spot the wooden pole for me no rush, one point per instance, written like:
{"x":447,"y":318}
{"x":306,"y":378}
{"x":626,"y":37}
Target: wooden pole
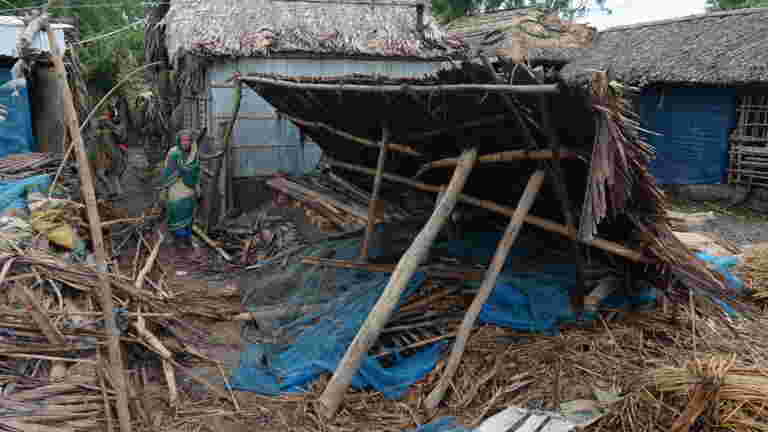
{"x":540,"y":222}
{"x":229,"y":178}
{"x":505,"y":156}
{"x":500,"y":88}
{"x":374,"y":201}
{"x":94,"y":222}
{"x":491,"y":275}
{"x":401,"y":148}
{"x":377,"y":319}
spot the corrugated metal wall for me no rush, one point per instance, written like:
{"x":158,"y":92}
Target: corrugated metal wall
{"x":263,"y":144}
{"x":694,"y":124}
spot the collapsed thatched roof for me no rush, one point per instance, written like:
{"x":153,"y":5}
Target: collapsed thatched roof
{"x":529,"y":33}
{"x":709,"y":49}
{"x":247,"y":28}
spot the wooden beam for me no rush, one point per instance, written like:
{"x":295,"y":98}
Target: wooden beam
{"x":491,"y":275}
{"x":97,"y":239}
{"x":505,"y":156}
{"x":366,"y":142}
{"x":373,"y":203}
{"x":540,"y":222}
{"x":405,"y":88}
{"x":381,"y":312}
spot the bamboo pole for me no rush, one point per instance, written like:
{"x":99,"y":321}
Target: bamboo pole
{"x":500,"y":88}
{"x":401,"y":148}
{"x":374,"y":201}
{"x":379,"y":315}
{"x":505,"y":156}
{"x":94,"y":221}
{"x":229,"y":199}
{"x":540,"y":222}
{"x":489,"y":282}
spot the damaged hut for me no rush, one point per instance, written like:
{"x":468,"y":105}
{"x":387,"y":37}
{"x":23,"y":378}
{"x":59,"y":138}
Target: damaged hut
{"x":209,"y":41}
{"x":702,"y":81}
{"x":551,"y":161}
{"x":532,"y":35}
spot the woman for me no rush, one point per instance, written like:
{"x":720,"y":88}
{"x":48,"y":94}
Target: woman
{"x":181,"y":176}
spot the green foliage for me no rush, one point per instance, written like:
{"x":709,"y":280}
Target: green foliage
{"x":451,"y":9}
{"x":103,"y":58}
{"x":736,"y":4}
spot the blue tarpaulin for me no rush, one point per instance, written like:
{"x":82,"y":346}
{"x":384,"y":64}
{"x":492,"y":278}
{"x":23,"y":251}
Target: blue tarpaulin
{"x":530,"y":301}
{"x":16,"y":131}
{"x":13,"y":194}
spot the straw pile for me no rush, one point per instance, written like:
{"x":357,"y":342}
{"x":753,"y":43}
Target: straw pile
{"x":754,"y":271}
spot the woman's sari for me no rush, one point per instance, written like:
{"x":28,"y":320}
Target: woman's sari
{"x":180,"y":179}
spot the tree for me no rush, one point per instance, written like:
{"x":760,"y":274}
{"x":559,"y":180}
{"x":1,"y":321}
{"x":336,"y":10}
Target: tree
{"x":451,"y":9}
{"x":736,"y":4}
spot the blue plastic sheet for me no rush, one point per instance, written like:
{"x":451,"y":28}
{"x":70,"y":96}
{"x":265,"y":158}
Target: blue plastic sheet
{"x":723,"y":264}
{"x":528,"y":301}
{"x":13,"y":193}
{"x":16,"y":131}
{"x":319,"y":340}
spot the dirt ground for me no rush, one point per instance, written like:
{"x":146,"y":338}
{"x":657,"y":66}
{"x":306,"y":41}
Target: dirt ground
{"x":737,"y":224}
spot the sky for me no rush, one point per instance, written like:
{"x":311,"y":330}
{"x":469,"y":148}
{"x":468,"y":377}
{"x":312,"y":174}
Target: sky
{"x":627,"y":12}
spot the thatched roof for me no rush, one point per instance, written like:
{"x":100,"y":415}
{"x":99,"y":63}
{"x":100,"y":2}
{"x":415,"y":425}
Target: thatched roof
{"x":529,"y":33}
{"x":436,"y":117}
{"x":709,"y":49}
{"x":255,"y":28}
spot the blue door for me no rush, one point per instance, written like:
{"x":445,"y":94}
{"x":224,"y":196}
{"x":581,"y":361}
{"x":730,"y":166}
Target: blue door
{"x":693,"y":126}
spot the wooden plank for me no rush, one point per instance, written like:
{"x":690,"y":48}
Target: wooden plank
{"x":378,"y":317}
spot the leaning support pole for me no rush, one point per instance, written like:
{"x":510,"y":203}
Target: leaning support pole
{"x":369,"y":331}
{"x":94,"y":220}
{"x":502,"y":251}
{"x":374,"y":201}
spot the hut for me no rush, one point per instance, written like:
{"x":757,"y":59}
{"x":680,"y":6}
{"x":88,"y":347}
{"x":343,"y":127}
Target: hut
{"x":536,"y":36}
{"x":702,"y":92}
{"x":565,"y":160}
{"x":208,"y":42}
{"x":34,"y":123}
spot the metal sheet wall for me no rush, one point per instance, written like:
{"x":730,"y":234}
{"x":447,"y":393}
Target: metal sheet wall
{"x":264,"y":144}
{"x":693,"y":126}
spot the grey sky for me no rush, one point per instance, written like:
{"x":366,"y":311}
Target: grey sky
{"x":635,"y":11}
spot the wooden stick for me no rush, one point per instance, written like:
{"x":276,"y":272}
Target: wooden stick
{"x":154,"y":342}
{"x":94,"y":220}
{"x":228,"y":178}
{"x":49,"y":358}
{"x":148,"y":265}
{"x":506,"y":156}
{"x":543,"y":223}
{"x":418,"y":344}
{"x":401,"y":148}
{"x":377,"y":319}
{"x":200,"y":233}
{"x":492,"y":274}
{"x":374,"y":201}
{"x":500,"y":88}
{"x":58,"y":369}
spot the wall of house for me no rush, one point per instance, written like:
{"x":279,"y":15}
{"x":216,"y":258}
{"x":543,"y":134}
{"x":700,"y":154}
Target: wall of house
{"x":690,"y":129}
{"x":263,"y":144}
